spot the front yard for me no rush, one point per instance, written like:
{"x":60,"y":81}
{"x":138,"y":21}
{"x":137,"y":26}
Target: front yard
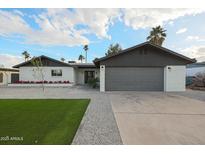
{"x":40,"y":121}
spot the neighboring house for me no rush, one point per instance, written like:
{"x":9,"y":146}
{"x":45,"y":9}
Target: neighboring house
{"x":8,"y":75}
{"x":55,"y":70}
{"x":144,"y":67}
{"x":194,"y":69}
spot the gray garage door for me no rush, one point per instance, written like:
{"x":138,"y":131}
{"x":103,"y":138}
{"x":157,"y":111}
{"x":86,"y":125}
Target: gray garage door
{"x":134,"y":78}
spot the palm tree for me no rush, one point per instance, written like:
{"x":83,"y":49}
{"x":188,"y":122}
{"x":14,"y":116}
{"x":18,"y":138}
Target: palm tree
{"x":113,"y":49}
{"x":86,"y":50}
{"x":81,"y":57}
{"x":63,"y":59}
{"x":157,"y":35}
{"x":26,"y":55}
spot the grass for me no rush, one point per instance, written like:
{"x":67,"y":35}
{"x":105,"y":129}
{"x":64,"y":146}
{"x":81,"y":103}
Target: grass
{"x":40,"y":121}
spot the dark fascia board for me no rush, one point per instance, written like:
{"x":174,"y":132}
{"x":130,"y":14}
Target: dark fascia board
{"x":9,"y":69}
{"x":143,"y":44}
{"x":42,"y":56}
{"x":88,"y":65}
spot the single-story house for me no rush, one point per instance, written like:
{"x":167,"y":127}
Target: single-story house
{"x":144,"y":67}
{"x":8,"y":75}
{"x":54,"y":70}
{"x":195,"y":68}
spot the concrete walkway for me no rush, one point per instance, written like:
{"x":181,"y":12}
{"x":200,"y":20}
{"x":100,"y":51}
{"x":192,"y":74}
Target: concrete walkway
{"x":98,"y":125}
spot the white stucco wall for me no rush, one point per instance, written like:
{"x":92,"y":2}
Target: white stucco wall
{"x":79,"y":74}
{"x":6,"y":77}
{"x":174,"y":78}
{"x":102,"y":78}
{"x":194,"y":71}
{"x":27,"y":74}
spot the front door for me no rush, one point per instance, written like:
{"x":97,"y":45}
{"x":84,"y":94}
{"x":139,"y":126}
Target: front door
{"x":89,"y":75}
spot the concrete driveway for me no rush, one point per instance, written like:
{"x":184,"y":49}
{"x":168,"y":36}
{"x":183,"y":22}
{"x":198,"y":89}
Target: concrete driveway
{"x":159,"y":118}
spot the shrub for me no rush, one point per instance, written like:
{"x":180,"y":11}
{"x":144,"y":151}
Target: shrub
{"x":66,"y":81}
{"x":94,"y":83}
{"x":18,"y":81}
{"x":25,"y":82}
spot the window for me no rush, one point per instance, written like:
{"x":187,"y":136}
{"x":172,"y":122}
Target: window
{"x":1,"y":77}
{"x":57,"y":72}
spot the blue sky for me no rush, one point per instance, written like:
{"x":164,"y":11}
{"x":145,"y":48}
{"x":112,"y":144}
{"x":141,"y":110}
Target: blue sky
{"x":63,"y":32}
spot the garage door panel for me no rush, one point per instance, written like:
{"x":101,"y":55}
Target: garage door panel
{"x":140,"y":79}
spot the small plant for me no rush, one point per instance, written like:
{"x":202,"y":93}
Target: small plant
{"x":94,"y":83}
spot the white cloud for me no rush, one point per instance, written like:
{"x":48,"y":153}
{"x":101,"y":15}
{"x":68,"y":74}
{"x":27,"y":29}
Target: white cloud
{"x":171,"y":23}
{"x":197,"y":52}
{"x":69,"y":27}
{"x":8,"y":60}
{"x":183,"y":30}
{"x":12,"y":23}
{"x":59,"y":26}
{"x":195,"y":38}
{"x":146,"y":18}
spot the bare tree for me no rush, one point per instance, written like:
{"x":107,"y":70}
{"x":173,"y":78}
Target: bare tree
{"x":38,"y":69}
{"x":200,"y":78}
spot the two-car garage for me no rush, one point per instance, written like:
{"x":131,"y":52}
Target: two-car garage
{"x":134,"y":78}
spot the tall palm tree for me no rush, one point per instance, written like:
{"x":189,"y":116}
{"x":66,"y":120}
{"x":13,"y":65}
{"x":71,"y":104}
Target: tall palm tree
{"x":63,"y":59}
{"x":26,"y":55}
{"x":86,"y":50}
{"x":157,"y":35}
{"x":81,"y":57}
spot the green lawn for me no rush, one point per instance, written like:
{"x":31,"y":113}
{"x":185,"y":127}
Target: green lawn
{"x":40,"y":121}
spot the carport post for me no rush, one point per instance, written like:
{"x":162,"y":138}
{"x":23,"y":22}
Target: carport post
{"x":102,"y":78}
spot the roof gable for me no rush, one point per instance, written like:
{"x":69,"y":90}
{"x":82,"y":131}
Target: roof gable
{"x":161,"y":50}
{"x":46,"y":61}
